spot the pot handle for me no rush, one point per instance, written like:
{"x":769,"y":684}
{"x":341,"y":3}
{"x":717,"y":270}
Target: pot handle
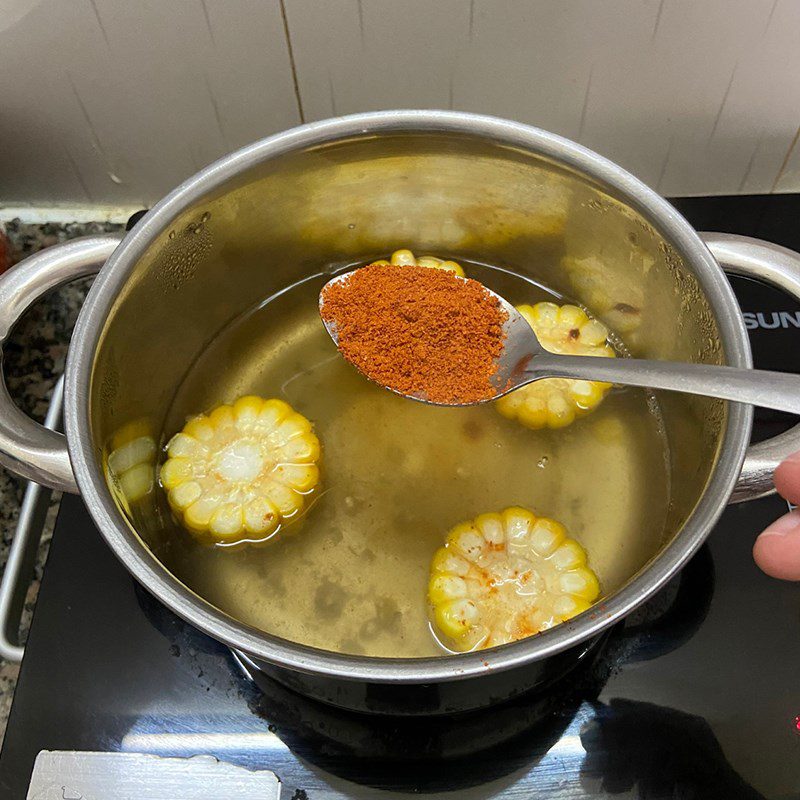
{"x":26,"y":447}
{"x":780,"y":267}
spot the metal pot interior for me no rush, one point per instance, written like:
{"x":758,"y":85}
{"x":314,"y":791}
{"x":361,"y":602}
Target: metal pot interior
{"x":251,"y":231}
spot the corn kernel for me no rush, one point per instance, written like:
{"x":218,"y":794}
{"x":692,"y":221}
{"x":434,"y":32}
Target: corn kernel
{"x":445,"y":560}
{"x":182,"y":445}
{"x":290,"y":427}
{"x":403,"y":258}
{"x":300,"y":450}
{"x":272,"y":413}
{"x":199,"y":428}
{"x":502,"y":577}
{"x":546,"y":536}
{"x":467,"y":541}
{"x":586,"y":394}
{"x":300,"y":477}
{"x":285,"y":499}
{"x":136,"y":451}
{"x":135,"y":429}
{"x":452,"y":266}
{"x":510,"y":405}
{"x":568,"y":606}
{"x":241,"y":470}
{"x":136,"y":482}
{"x":594,"y":333}
{"x":560,"y":412}
{"x":261,"y":516}
{"x":246,"y":411}
{"x":491,"y":526}
{"x":454,"y":618}
{"x":175,"y":472}
{"x":569,"y":555}
{"x":532,"y":411}
{"x":545,"y":314}
{"x":183,"y":495}
{"x":580,"y":582}
{"x":198,"y":515}
{"x":445,"y":587}
{"x":227,"y":521}
{"x":581,"y":389}
{"x":517,"y":523}
{"x":571,"y":317}
{"x":221,"y":415}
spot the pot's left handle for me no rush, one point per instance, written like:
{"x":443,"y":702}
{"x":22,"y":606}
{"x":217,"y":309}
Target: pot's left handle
{"x":26,"y":447}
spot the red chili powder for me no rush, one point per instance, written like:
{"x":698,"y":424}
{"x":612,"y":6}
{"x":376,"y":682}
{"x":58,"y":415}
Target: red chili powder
{"x":418,"y":330}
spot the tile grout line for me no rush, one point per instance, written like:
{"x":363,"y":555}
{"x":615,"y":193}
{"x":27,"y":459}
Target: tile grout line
{"x":295,"y":81}
{"x":785,"y":162}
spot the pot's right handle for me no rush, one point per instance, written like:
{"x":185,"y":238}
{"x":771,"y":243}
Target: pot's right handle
{"x":755,"y":258}
{"x":27,"y":448}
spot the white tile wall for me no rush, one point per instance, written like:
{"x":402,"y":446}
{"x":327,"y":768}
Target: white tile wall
{"x":117,"y":101}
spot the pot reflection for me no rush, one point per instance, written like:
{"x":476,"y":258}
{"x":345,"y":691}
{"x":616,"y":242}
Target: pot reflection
{"x":436,"y":753}
{"x":542,"y":742}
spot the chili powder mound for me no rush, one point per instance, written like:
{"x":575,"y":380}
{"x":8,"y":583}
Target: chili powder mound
{"x":418,"y":330}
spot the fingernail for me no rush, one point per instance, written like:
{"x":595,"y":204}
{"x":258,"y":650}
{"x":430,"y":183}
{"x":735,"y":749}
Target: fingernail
{"x":786,"y":524}
{"x":794,"y":458}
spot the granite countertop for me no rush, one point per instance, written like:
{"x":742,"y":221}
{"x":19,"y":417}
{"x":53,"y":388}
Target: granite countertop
{"x":33,"y":361}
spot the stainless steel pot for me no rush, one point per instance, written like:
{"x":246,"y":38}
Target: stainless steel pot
{"x":347,"y":189}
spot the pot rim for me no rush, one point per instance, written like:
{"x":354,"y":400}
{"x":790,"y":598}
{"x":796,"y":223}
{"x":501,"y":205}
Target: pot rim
{"x":154,"y":576}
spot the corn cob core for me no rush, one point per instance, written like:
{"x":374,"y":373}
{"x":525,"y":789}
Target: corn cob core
{"x":402,"y":258}
{"x":502,"y":577}
{"x":240,"y":471}
{"x":557,"y":402}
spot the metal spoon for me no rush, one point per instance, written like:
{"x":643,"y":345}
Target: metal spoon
{"x":524,"y":360}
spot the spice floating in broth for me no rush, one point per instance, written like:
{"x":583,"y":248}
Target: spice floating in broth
{"x":419,"y":331}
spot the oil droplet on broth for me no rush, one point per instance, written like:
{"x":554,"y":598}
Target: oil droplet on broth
{"x":351,"y":573}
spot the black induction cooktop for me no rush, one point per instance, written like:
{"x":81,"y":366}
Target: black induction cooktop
{"x":696,"y":695}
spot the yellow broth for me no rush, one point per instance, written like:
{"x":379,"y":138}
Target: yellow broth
{"x":350,"y":574}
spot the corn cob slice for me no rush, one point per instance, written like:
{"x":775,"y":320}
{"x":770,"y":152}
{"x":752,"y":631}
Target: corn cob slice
{"x":241,"y":471}
{"x":619,"y":304}
{"x":557,"y":402}
{"x":402,"y":258}
{"x":131,"y":464}
{"x":502,"y":577}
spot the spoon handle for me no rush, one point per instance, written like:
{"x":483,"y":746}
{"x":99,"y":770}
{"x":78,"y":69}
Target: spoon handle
{"x":776,"y":390}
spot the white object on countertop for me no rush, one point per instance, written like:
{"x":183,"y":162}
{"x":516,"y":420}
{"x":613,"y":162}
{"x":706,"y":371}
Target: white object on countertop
{"x":74,"y":775}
